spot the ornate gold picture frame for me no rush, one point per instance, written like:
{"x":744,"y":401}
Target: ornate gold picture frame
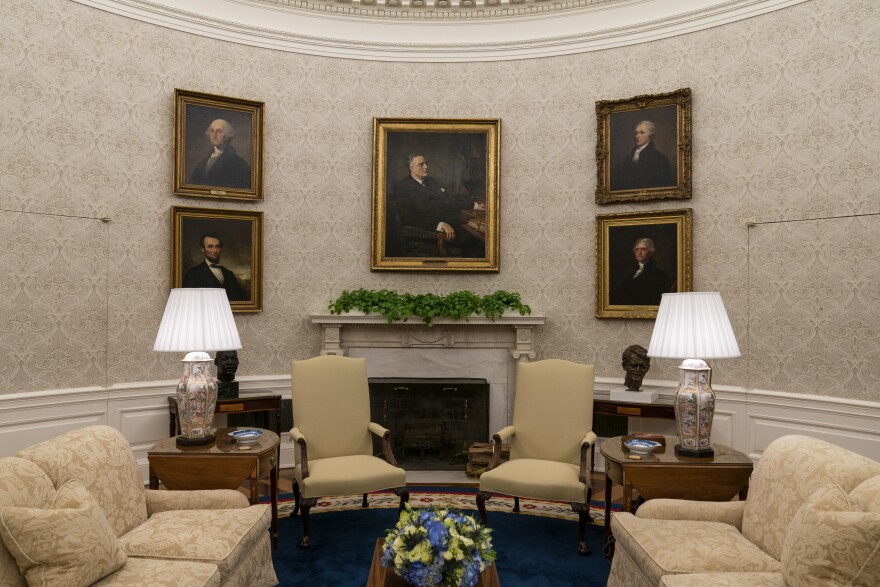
{"x":639,"y":257}
{"x":218,"y":147}
{"x":435,"y":194}
{"x":643,"y":148}
{"x":219,"y":248}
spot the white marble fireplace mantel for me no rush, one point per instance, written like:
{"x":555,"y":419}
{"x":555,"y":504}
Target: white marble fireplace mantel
{"x":345,"y":331}
{"x":478,"y":347}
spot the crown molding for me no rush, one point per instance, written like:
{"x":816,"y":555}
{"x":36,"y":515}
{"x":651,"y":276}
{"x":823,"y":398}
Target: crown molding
{"x":512,"y":29}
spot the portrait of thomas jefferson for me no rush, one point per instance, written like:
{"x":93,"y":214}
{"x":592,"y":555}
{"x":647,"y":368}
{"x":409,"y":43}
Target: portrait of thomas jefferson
{"x":642,"y":264}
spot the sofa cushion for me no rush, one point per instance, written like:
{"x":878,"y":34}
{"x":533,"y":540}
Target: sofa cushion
{"x":220,"y":537}
{"x":831,"y":541}
{"x":668,"y":547}
{"x":70,"y":543}
{"x":866,"y":496}
{"x":22,"y":483}
{"x":791,"y":469}
{"x":146,"y":572}
{"x":724,"y":580}
{"x":100,"y":458}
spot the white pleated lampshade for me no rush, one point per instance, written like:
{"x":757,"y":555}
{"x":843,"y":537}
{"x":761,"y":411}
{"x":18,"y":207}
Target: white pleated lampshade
{"x":692,"y":325}
{"x":197,"y":319}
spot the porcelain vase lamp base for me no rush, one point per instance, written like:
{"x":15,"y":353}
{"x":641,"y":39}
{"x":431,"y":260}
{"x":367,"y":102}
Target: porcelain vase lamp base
{"x":196,"y":401}
{"x":694,"y":410}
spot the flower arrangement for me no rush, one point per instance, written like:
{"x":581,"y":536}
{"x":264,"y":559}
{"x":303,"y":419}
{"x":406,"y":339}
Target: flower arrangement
{"x":431,"y":545}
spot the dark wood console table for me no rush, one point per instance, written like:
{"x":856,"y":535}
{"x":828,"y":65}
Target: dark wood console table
{"x":609,"y":407}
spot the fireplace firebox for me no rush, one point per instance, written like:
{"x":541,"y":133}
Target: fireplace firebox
{"x":432,"y":421}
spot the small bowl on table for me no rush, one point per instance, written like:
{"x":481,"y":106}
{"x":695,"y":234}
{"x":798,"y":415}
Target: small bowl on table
{"x":246,"y":436}
{"x":641,"y":446}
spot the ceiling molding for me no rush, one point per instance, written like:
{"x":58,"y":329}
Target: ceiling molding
{"x":518,"y":29}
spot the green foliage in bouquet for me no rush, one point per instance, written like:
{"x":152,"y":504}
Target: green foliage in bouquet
{"x":433,"y":546}
{"x":457,"y":305}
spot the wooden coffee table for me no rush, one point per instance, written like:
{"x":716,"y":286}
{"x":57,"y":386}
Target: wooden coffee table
{"x":219,"y":465}
{"x":663,"y":474}
{"x":382,"y":577}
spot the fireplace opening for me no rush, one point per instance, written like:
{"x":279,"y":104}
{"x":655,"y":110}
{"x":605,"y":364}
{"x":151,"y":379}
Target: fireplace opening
{"x":432,"y":421}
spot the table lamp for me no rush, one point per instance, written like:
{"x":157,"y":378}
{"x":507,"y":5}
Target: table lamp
{"x":693,"y":326}
{"x":197,"y":320}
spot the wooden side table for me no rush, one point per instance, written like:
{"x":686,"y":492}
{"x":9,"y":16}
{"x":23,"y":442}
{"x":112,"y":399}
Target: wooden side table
{"x":663,"y":474}
{"x":239,"y":405}
{"x":219,"y":465}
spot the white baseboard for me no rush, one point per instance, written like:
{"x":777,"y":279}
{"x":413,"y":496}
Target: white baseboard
{"x":745,"y":420}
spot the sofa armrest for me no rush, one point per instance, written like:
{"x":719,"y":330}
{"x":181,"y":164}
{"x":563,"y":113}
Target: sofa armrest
{"x":727,"y":512}
{"x":161,"y":500}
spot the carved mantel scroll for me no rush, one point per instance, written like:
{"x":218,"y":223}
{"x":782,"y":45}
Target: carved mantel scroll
{"x":342,"y":332}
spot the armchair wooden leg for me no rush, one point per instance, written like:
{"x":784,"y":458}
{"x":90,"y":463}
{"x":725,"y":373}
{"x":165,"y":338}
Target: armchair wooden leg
{"x":583,"y":512}
{"x":515,"y":504}
{"x":482,"y":497}
{"x":403,"y":494}
{"x":308,"y":503}
{"x":296,"y":499}
{"x":364,"y":503}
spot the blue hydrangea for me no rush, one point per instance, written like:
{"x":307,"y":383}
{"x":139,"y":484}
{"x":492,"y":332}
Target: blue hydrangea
{"x":430,"y":546}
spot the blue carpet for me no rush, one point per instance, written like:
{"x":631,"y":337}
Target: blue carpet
{"x":533,"y":551}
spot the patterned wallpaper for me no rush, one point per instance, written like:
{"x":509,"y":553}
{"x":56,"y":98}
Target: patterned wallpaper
{"x":784,"y":112}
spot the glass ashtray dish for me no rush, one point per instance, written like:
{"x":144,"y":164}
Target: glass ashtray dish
{"x":248,"y":436}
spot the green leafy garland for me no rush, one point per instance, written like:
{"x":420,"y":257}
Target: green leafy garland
{"x":457,"y":305}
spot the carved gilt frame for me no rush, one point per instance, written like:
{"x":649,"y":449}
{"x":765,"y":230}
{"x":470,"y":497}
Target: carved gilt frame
{"x":194,"y":112}
{"x":241,"y":236}
{"x":464,"y":161}
{"x":616,"y":120}
{"x":618,"y":294}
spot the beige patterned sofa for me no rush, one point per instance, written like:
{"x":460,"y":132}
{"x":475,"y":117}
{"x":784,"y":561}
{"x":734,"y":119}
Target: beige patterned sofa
{"x":74,"y":511}
{"x":812,"y":517}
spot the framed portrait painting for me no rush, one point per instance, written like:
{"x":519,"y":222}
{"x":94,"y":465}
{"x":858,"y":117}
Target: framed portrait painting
{"x":219,"y":248}
{"x":643,"y":148}
{"x":435,"y":194}
{"x":218,"y":146}
{"x":639,"y":257}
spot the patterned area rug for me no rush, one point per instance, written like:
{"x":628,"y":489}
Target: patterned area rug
{"x":449,"y":497}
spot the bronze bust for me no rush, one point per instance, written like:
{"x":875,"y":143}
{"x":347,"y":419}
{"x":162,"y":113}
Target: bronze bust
{"x":636,"y":363}
{"x":227,"y":365}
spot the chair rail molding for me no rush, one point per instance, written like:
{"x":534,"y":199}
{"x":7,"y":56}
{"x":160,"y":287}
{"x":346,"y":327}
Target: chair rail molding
{"x":747,"y":420}
{"x":432,"y":30}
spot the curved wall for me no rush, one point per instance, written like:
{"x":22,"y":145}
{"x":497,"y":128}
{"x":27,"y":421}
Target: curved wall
{"x":779,"y":107}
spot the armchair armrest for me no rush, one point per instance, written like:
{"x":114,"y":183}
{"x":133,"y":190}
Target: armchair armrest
{"x":727,"y":512}
{"x":385,"y":435}
{"x":497,"y":440}
{"x":588,"y":441}
{"x":201,"y":499}
{"x":299,"y":438}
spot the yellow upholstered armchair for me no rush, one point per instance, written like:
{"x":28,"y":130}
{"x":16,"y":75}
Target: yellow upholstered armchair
{"x":550,"y":439}
{"x":334,"y":449}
